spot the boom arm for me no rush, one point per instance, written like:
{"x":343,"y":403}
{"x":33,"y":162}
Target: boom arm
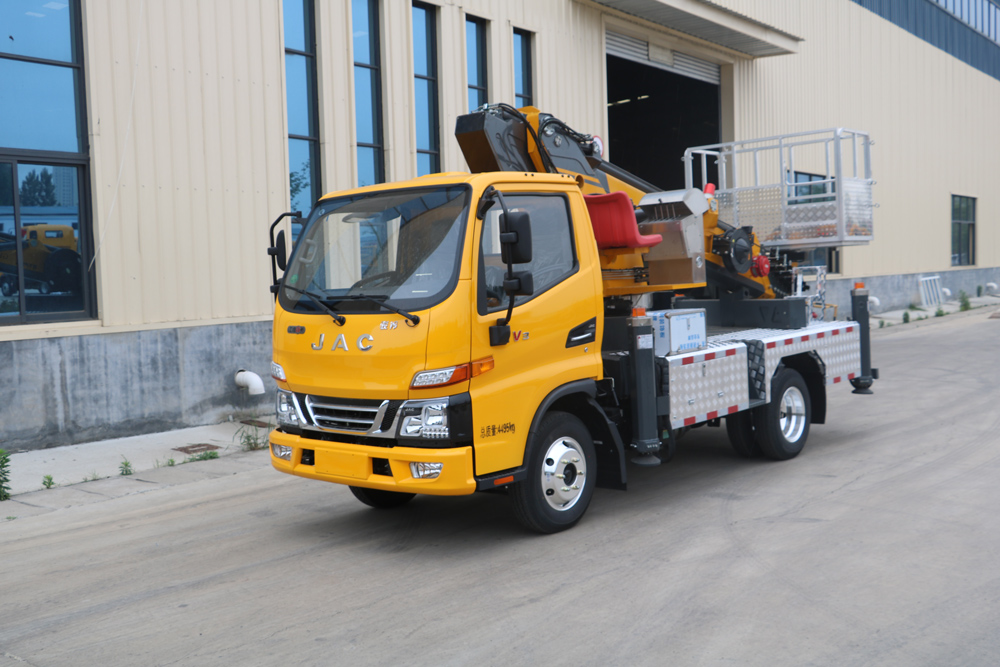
{"x":501,"y":138}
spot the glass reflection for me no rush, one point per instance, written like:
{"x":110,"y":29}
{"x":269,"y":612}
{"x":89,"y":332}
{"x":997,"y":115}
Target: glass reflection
{"x":363,"y":17}
{"x":8,"y":244}
{"x":301,"y":183}
{"x":295,"y":24}
{"x":38,"y":107}
{"x":49,"y":208}
{"x":365,"y":105}
{"x":298,"y":94}
{"x":37,"y":29}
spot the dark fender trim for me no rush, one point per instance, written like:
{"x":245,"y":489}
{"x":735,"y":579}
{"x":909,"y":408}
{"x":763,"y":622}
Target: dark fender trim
{"x":579,"y":399}
{"x":498,"y":480}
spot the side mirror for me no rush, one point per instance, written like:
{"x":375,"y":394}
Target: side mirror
{"x":279,"y":251}
{"x":520,"y":283}
{"x":515,"y":237}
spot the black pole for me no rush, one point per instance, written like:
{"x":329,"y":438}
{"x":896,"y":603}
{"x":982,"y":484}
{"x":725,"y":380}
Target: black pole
{"x":859,"y":311}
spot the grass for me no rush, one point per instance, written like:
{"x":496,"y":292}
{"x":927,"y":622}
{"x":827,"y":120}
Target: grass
{"x":203,"y":456}
{"x":914,"y":306}
{"x":125,"y":467}
{"x":93,"y":477}
{"x":47,"y":482}
{"x":252,"y":438}
{"x":906,"y":316}
{"x":939,"y":312}
{"x":4,"y":475}
{"x":963,"y":301}
{"x":171,"y":463}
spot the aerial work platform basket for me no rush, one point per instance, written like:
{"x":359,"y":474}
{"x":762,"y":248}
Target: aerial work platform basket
{"x":802,"y":190}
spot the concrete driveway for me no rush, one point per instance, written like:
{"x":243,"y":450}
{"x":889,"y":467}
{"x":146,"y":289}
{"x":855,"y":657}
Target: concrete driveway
{"x":879,"y":545}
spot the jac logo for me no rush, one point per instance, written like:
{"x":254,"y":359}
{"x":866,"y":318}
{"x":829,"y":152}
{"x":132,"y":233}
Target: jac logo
{"x":519,"y":335}
{"x":340,"y":343}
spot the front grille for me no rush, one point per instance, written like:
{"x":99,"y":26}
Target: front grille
{"x":343,"y":415}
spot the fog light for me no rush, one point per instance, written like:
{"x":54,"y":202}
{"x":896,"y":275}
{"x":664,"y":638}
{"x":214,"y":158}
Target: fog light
{"x":281,"y":452}
{"x":421,"y":470}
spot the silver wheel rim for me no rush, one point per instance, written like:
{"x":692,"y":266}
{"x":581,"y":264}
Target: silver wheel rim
{"x":792,"y":419}
{"x":564,"y":474}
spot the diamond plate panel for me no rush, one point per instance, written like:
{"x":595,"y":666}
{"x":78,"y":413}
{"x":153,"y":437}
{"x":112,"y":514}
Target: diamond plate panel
{"x":838,"y":344}
{"x":709,"y":382}
{"x":858,"y":209}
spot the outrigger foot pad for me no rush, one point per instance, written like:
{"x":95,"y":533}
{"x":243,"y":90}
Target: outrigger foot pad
{"x":647,"y":461}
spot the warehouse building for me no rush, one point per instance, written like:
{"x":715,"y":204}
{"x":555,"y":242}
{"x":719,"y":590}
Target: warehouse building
{"x":145,"y":147}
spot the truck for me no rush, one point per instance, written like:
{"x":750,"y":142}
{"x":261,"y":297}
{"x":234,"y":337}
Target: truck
{"x":538,"y":323}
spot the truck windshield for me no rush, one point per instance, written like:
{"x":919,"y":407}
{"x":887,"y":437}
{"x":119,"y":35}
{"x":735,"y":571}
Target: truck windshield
{"x":398,"y":247}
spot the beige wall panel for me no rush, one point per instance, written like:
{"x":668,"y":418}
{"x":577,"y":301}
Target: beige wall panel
{"x":931,"y":116}
{"x":201,"y":151}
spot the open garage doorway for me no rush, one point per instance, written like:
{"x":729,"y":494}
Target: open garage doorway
{"x":653,"y":115}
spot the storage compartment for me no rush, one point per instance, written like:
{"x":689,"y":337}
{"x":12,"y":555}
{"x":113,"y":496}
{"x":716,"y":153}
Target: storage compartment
{"x":679,"y":330}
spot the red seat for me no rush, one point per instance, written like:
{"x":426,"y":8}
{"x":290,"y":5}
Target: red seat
{"x":613,"y":219}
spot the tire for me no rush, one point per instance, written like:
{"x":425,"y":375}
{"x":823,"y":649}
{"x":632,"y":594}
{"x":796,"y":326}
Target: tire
{"x":782,"y":426}
{"x":380,"y":499}
{"x":5,"y":288}
{"x":44,"y":287}
{"x":742,"y":435}
{"x":562,"y":472}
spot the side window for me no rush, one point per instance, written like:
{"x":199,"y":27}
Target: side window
{"x":553,"y":258}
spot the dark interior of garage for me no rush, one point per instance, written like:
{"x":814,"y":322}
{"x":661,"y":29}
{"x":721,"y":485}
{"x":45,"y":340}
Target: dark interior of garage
{"x":653,"y":116}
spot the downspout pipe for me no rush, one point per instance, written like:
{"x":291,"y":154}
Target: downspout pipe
{"x":250,"y":381}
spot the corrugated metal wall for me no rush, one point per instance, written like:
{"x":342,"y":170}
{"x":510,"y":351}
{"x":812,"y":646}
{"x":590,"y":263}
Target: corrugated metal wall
{"x":202,"y":145}
{"x":200,"y":150}
{"x":933,"y":117}
{"x":568,"y":75}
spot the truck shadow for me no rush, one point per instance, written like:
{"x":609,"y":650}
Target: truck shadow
{"x":704,"y":469}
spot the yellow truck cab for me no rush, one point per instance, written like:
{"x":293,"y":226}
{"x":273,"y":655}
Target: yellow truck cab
{"x":419,"y":401}
{"x":466,"y":332}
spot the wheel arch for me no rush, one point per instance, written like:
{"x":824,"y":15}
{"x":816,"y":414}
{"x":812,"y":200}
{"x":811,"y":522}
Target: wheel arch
{"x":579,"y":399}
{"x":813,"y":371}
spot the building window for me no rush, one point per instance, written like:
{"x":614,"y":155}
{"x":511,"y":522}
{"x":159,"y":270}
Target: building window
{"x":302,"y":105}
{"x":963,"y":230}
{"x":425,"y":83}
{"x":982,"y":16}
{"x":522,"y":68}
{"x":475,"y":45}
{"x":367,"y":92}
{"x":815,"y":189}
{"x":45,"y":234}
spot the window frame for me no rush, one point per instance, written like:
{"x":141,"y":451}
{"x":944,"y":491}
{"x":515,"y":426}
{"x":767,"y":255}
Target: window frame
{"x":80,"y":160}
{"x":312,"y":93}
{"x":433,"y":77}
{"x":482,"y":59}
{"x":481,"y":306}
{"x":956,"y":226}
{"x":378,"y":145}
{"x":527,"y":67}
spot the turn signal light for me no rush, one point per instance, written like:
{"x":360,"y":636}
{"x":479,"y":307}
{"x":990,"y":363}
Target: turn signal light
{"x":443,"y":377}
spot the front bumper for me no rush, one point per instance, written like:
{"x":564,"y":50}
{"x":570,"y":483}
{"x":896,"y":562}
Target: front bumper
{"x":365,"y":465}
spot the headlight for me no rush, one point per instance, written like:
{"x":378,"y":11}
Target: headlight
{"x":287,"y":409}
{"x":424,"y":419}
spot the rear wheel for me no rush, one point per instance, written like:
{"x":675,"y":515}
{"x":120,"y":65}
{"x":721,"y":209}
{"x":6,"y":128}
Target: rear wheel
{"x":742,"y":435}
{"x":782,"y":425}
{"x":381,"y":499}
{"x":561,"y":475}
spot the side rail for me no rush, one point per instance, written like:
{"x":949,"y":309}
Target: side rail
{"x":807,"y":189}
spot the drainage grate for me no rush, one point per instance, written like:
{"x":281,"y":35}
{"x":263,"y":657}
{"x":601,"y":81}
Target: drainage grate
{"x":195,"y":449}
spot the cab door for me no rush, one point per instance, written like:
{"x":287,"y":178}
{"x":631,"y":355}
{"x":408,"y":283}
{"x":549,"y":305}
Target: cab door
{"x":540,"y":355}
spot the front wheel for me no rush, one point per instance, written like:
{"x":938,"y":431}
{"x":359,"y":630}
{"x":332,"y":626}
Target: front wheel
{"x":782,"y":425}
{"x":561,"y":475}
{"x":381,"y":499}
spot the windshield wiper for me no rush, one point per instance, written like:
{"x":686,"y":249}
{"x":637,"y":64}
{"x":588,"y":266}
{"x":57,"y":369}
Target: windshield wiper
{"x":379,"y":299}
{"x":339,"y":319}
